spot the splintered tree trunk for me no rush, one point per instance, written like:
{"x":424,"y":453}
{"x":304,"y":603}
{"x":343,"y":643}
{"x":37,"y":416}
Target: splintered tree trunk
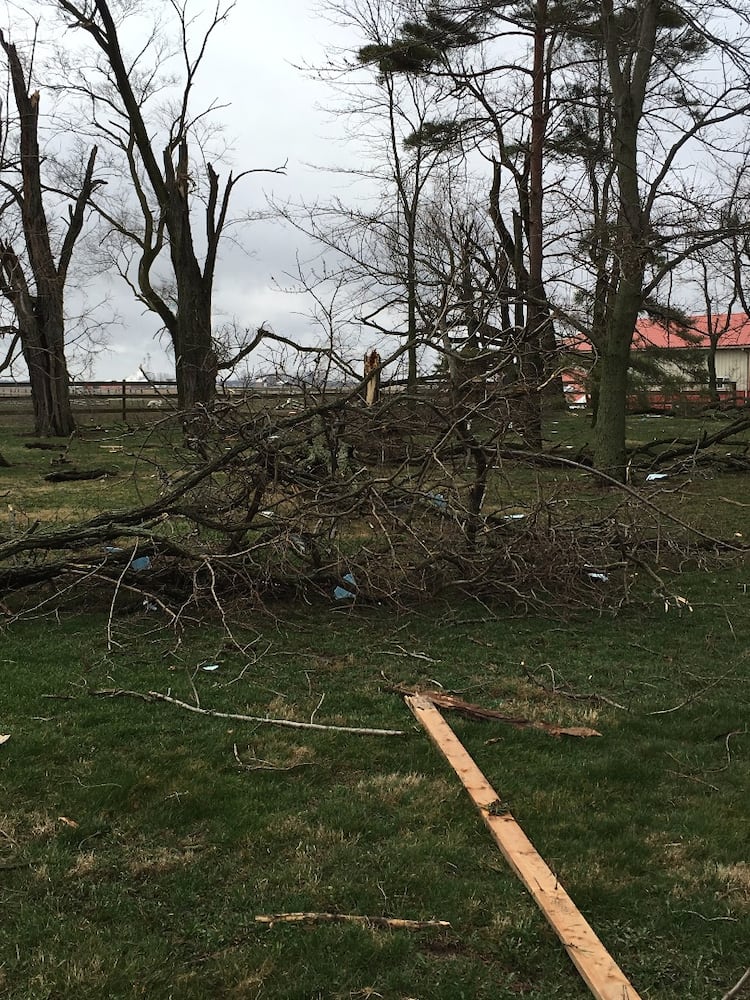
{"x":372,"y":375}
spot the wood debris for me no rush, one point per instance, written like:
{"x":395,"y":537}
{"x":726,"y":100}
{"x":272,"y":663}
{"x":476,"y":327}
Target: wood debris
{"x":262,"y":720}
{"x":597,"y":967}
{"x":393,"y":923}
{"x":455,"y":704}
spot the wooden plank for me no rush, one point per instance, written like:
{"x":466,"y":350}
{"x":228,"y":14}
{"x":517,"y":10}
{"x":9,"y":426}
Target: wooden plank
{"x":600,"y":972}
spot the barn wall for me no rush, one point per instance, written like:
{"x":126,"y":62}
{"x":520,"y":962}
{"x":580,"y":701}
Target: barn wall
{"x":732,"y":363}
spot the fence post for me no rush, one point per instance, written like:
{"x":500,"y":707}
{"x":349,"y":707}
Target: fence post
{"x":124,"y":402}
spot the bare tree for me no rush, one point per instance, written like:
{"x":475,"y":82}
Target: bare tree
{"x":644,"y":219}
{"x":176,"y":210}
{"x":33,"y":280}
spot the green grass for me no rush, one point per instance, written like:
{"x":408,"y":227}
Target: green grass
{"x":135,"y":852}
{"x":177,"y":848}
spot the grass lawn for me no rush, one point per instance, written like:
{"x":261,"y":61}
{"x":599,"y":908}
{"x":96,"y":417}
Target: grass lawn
{"x":136,"y":850}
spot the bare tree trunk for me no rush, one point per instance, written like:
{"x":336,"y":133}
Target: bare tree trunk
{"x":609,"y":448}
{"x":50,"y":393}
{"x":629,"y":82}
{"x":537,"y":316}
{"x":36,"y":287}
{"x":711,"y":365}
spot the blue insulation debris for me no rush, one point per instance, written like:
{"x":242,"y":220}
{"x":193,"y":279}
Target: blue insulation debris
{"x":344,"y":594}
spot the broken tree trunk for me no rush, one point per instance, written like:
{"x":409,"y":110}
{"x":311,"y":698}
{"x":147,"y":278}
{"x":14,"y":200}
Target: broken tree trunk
{"x":597,"y":967}
{"x":372,"y":376}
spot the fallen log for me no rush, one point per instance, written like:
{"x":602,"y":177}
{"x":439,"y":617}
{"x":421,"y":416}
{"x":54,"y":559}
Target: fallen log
{"x":75,"y":475}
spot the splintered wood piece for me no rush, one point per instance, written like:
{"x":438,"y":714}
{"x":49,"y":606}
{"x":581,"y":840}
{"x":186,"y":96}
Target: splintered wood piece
{"x":599,"y":971}
{"x":471,"y":711}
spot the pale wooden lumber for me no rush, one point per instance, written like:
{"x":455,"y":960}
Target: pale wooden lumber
{"x":597,"y":967}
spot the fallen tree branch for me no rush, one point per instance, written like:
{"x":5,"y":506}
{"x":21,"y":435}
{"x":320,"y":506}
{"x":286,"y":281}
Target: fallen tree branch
{"x":287,"y":723}
{"x":394,"y":923}
{"x":264,"y":765}
{"x":594,"y":697}
{"x":79,"y":475}
{"x":695,"y":696}
{"x":684,"y":447}
{"x":478,"y":712}
{"x":738,"y":987}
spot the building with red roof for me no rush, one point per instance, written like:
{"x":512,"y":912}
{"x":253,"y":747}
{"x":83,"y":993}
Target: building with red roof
{"x":726,"y":336}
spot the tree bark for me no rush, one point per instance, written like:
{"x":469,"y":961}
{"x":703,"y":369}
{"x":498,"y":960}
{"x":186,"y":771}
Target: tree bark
{"x":167,"y":174}
{"x":50,"y":393}
{"x":36,"y":289}
{"x":628,"y":81}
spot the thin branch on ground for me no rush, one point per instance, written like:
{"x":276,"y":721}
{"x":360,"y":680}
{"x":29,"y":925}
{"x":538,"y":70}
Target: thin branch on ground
{"x":738,"y":987}
{"x":261,"y":720}
{"x":392,"y":923}
{"x":562,"y":692}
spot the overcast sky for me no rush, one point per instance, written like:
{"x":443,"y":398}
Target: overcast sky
{"x":275,"y":117}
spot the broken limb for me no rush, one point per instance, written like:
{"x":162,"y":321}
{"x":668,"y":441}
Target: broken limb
{"x":258,"y":764}
{"x":287,"y":723}
{"x":393,"y":923}
{"x":695,"y":696}
{"x":593,"y":697}
{"x":452,"y":703}
{"x":597,"y":967}
{"x":738,"y":987}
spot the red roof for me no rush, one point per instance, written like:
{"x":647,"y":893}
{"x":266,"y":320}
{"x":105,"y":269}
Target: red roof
{"x":733,"y":331}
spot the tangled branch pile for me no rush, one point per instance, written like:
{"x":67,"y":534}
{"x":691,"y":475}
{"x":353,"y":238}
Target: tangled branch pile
{"x":392,"y":503}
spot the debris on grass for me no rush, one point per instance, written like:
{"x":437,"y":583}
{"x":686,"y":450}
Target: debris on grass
{"x":680,"y":603}
{"x":79,"y":475}
{"x":437,"y":500}
{"x":479,"y":712}
{"x":393,"y":923}
{"x":4,"y":737}
{"x":258,"y":764}
{"x":597,"y":967}
{"x":262,"y":720}
{"x":739,"y":986}
{"x":346,"y":593}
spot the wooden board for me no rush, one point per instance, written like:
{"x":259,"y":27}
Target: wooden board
{"x":597,"y":967}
